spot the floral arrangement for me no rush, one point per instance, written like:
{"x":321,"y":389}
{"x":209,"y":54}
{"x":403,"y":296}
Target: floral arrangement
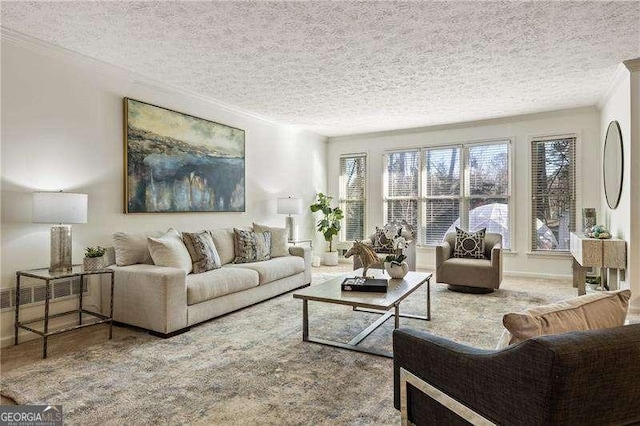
{"x":95,"y":251}
{"x":400,"y":236}
{"x":598,"y":231}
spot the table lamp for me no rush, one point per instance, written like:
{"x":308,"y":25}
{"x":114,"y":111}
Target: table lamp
{"x":62,"y":208}
{"x":290,"y":206}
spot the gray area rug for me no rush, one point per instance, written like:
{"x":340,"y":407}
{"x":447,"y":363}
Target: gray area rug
{"x":251,"y":367}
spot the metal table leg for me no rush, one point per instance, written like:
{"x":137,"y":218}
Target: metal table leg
{"x":111,"y":307}
{"x":46,"y":317}
{"x":305,"y":320}
{"x":17,"y":319}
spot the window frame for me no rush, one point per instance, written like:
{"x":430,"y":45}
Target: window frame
{"x":577,"y":195}
{"x":465,"y":196}
{"x":385,"y":187}
{"x":342,"y":196}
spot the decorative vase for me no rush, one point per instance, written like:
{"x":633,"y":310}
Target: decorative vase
{"x":330,"y":258}
{"x":94,"y":263}
{"x":396,"y":271}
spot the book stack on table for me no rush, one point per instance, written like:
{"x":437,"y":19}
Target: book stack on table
{"x":376,"y":285}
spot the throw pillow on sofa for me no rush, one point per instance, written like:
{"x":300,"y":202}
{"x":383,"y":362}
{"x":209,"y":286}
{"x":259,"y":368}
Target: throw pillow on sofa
{"x":169,"y":250}
{"x":132,"y":248}
{"x":204,"y":256}
{"x":251,"y":246}
{"x":594,"y":311}
{"x":279,"y":239}
{"x":469,"y":244}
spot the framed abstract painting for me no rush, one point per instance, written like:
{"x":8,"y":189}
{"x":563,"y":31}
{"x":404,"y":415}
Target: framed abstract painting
{"x":175,"y":162}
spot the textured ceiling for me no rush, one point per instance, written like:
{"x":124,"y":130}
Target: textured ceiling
{"x":351,"y":67}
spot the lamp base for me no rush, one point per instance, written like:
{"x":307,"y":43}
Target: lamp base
{"x":60,"y":248}
{"x":293,"y":228}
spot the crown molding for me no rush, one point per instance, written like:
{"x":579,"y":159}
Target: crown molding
{"x":58,"y":52}
{"x":632,"y":65}
{"x":621,"y":73}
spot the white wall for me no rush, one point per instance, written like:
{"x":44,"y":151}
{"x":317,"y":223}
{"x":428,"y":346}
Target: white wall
{"x":622,"y":103}
{"x":585,"y":122}
{"x":62,"y":126}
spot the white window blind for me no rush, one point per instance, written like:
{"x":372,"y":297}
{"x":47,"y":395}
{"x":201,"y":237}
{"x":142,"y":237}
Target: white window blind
{"x":401,"y":186}
{"x":553,"y":206}
{"x":353,"y":179}
{"x":488,"y":191}
{"x":442,"y":192}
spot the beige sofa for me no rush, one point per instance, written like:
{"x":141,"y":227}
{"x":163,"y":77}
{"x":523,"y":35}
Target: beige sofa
{"x":168,"y":301}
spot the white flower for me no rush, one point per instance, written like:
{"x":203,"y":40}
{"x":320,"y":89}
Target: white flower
{"x":390,"y":231}
{"x":400,"y":243}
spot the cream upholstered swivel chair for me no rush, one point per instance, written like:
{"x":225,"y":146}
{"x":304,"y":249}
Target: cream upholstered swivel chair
{"x":470,"y":275}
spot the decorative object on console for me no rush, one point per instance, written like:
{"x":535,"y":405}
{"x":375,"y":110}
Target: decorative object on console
{"x":613,"y":165}
{"x":469,"y":244}
{"x":329,"y":225}
{"x":365,"y":255}
{"x":598,"y":231}
{"x":62,"y":208}
{"x":94,"y":258}
{"x":588,"y":218}
{"x":290,"y":206}
{"x":175,"y":162}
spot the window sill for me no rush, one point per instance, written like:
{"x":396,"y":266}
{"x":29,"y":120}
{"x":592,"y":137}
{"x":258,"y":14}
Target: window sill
{"x":550,"y":254}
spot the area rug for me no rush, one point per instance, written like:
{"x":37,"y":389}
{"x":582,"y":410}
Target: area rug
{"x":251,"y":367}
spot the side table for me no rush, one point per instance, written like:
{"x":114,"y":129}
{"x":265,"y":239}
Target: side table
{"x":44,"y":274}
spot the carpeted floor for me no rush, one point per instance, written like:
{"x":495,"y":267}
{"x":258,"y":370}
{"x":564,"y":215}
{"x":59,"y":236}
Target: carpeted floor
{"x":251,"y":367}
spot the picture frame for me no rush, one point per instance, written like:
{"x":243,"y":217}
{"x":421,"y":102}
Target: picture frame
{"x":179,"y":163}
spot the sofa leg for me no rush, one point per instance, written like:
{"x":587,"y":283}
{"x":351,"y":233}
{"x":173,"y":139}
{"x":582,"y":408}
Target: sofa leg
{"x":169,"y":335}
{"x":469,"y":289}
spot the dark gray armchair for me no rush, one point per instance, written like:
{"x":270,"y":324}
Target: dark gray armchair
{"x":577,"y":378}
{"x":470,"y":275}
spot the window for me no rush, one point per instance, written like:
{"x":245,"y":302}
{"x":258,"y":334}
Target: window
{"x":401,"y":186}
{"x":353,"y":173}
{"x":442,"y":192}
{"x":466,"y":186}
{"x":553,"y":205}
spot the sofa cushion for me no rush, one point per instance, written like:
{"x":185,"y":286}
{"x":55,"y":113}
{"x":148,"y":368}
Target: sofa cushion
{"x":223,"y":240}
{"x":469,"y":244}
{"x":169,"y":250}
{"x":251,"y":246}
{"x":279,"y":239}
{"x":204,"y":256}
{"x":132,"y":248}
{"x":274,"y":269}
{"x":219,"y":282}
{"x":593,"y":311}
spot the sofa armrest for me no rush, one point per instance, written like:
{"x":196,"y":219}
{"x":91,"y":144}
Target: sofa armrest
{"x":496,"y":260}
{"x":443,"y":252}
{"x":476,"y":377}
{"x":151,"y":297}
{"x":305,"y":253}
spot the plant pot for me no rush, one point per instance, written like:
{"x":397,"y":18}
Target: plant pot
{"x":94,"y":263}
{"x":330,"y":258}
{"x":395,"y":270}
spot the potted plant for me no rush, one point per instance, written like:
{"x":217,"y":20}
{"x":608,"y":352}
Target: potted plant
{"x":94,"y":258}
{"x":394,"y":263}
{"x":328,"y":226}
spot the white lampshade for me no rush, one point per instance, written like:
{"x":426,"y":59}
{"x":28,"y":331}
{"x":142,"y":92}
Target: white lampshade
{"x":59,"y":207}
{"x":289,"y":205}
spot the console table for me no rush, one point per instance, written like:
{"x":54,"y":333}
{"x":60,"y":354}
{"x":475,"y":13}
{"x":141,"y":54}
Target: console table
{"x":608,"y":255}
{"x":44,"y":274}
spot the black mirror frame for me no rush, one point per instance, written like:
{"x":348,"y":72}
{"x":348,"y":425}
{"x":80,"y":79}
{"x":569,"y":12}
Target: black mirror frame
{"x":613,"y":202}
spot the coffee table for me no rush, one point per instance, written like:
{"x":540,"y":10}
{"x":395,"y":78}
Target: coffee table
{"x":380,"y":303}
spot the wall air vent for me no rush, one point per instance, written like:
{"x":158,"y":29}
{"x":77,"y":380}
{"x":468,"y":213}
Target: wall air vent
{"x":35,"y":294}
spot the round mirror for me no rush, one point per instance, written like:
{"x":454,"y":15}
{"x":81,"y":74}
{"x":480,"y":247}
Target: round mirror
{"x":612,"y":165}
